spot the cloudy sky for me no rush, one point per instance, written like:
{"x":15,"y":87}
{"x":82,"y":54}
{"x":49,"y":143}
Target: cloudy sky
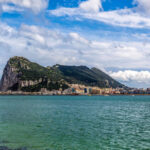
{"x":113,"y":35}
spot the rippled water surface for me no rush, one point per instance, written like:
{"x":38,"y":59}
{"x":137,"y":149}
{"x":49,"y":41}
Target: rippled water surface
{"x":75,"y":123}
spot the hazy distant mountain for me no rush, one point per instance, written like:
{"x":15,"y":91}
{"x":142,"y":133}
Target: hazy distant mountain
{"x":22,"y":74}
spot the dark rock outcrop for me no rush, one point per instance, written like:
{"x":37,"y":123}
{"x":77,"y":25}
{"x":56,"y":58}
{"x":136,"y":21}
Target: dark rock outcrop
{"x":20,"y":74}
{"x":9,"y":78}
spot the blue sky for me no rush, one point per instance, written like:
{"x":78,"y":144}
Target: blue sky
{"x":113,"y":35}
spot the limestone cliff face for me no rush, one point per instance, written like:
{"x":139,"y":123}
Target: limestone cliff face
{"x":26,"y":83}
{"x":10,"y":78}
{"x":20,"y":74}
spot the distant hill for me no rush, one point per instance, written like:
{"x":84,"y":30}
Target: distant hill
{"x":22,"y":74}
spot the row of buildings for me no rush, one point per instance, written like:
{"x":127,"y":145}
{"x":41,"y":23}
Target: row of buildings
{"x":77,"y":89}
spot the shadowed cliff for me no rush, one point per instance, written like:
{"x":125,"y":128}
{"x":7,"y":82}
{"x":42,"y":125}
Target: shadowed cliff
{"x":24,"y":75}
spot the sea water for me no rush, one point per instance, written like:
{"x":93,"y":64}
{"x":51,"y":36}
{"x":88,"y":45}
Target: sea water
{"x":75,"y":122}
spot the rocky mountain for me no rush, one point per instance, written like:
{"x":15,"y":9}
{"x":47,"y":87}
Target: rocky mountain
{"x":22,"y":74}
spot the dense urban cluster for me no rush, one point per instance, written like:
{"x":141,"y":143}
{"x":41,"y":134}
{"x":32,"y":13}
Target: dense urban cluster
{"x":77,"y":89}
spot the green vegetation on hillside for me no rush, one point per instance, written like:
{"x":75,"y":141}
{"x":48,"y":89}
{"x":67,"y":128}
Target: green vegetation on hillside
{"x":58,"y":76}
{"x":86,"y":76}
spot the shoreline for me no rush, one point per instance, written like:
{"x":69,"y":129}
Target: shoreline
{"x":32,"y":94}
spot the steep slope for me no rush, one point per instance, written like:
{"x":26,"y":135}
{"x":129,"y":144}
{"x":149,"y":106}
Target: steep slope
{"x":10,"y":78}
{"x":86,"y":76}
{"x":21,"y":74}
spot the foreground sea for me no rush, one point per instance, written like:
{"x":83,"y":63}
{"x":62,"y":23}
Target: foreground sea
{"x":75,"y":122}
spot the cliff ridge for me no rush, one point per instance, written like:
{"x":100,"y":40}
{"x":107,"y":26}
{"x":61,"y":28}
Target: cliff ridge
{"x":20,"y":74}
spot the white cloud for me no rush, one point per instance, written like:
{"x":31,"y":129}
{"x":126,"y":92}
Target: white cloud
{"x":91,"y":6}
{"x":143,"y":5}
{"x":132,"y":76}
{"x":35,"y":5}
{"x":122,"y":17}
{"x":8,"y":8}
{"x":49,"y":47}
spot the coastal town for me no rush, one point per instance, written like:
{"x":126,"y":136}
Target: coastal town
{"x":78,"y":89}
{"x":23,"y":77}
